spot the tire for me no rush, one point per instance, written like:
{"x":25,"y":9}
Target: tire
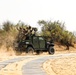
{"x":51,"y":50}
{"x":30,"y":50}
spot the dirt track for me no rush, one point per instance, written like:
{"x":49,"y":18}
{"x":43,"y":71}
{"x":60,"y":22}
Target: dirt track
{"x":56,"y":66}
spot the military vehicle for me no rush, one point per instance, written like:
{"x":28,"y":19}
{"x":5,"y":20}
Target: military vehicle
{"x":30,"y":43}
{"x":36,"y":44}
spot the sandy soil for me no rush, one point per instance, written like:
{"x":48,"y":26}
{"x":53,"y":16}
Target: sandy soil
{"x":61,"y":66}
{"x":14,"y":68}
{"x":5,"y":55}
{"x":57,"y":66}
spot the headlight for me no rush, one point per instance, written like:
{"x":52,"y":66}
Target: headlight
{"x":27,"y":42}
{"x":48,"y":42}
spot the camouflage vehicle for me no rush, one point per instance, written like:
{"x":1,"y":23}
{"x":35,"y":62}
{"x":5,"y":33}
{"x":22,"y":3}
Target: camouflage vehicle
{"x":36,"y":44}
{"x":28,"y":41}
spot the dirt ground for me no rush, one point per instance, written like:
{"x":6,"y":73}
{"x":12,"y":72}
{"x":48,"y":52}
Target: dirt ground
{"x":58,"y":66}
{"x":61,"y":66}
{"x":15,"y":68}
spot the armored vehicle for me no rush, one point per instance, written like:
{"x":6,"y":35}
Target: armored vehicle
{"x":28,"y":41}
{"x":36,"y":44}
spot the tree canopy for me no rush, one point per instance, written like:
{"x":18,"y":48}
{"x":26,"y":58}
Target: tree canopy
{"x":57,"y":31}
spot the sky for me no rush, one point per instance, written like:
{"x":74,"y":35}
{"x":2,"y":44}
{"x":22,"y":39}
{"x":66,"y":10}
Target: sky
{"x":31,"y":11}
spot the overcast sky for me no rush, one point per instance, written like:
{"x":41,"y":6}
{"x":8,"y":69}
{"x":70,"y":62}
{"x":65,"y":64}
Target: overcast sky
{"x":30,"y":11}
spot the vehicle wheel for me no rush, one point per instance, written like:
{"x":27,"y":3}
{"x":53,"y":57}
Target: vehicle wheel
{"x":30,"y":50}
{"x":51,"y":50}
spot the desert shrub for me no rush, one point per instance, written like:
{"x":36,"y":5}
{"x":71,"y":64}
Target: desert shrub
{"x":57,"y":31}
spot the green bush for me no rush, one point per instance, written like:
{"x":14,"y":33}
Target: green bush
{"x":57,"y":31}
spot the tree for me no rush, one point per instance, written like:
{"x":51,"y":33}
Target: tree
{"x":57,"y":31}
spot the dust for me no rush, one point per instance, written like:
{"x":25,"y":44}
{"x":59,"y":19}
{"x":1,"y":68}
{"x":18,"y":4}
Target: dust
{"x":5,"y":54}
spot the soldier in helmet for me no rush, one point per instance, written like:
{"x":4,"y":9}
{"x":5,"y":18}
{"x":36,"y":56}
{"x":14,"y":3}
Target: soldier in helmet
{"x":29,"y":29}
{"x":34,"y":31}
{"x":19,"y":29}
{"x":27,"y":32}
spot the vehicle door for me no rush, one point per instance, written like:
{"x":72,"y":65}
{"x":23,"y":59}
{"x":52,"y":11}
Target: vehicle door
{"x":42,"y":42}
{"x":36,"y":42}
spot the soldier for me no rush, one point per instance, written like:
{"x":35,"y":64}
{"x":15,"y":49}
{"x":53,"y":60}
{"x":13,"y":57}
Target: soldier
{"x":24,"y":31}
{"x":27,"y":32}
{"x":34,"y":31}
{"x":29,"y":29}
